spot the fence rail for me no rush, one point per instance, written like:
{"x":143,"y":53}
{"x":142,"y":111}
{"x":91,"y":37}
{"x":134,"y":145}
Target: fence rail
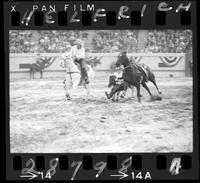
{"x":163,"y":64}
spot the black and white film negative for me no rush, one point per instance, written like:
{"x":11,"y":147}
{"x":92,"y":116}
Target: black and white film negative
{"x":101,"y":90}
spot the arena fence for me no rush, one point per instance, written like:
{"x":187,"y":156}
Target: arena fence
{"x":163,"y":64}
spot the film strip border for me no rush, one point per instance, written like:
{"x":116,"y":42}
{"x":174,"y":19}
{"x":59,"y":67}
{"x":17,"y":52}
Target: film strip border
{"x":106,"y":167}
{"x":106,"y":13}
{"x":174,"y":14}
{"x":111,"y":18}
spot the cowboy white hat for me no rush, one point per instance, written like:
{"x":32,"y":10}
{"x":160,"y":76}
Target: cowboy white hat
{"x":79,"y":41}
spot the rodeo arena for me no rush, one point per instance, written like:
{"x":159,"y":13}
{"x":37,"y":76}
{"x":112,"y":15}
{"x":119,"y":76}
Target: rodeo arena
{"x":96,"y":91}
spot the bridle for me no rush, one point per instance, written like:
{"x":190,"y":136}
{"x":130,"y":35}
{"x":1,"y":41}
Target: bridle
{"x":128,"y":66}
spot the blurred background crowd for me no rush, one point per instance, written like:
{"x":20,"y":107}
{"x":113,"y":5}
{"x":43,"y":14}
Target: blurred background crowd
{"x":169,"y":41}
{"x":114,"y":41}
{"x":57,"y":41}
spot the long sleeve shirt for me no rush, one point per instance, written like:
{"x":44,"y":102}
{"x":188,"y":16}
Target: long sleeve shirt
{"x":78,"y":53}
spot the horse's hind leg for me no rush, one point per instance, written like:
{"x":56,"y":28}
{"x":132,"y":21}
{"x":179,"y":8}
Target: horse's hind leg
{"x":153,"y":80}
{"x":146,"y":87}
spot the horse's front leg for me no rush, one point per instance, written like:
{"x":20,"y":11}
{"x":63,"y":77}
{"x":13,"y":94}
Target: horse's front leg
{"x":118,"y":95}
{"x":41,"y":74}
{"x":30,"y":74}
{"x":67,"y":90}
{"x":138,"y":93}
{"x":125,"y":88}
{"x":71,"y":86}
{"x":87,"y":87}
{"x":113,"y":97}
{"x":132,"y":91}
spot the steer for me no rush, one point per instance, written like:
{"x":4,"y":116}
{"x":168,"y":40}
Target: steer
{"x":117,"y":85}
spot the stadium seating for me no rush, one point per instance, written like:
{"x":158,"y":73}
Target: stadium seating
{"x":169,"y":41}
{"x":46,"y":41}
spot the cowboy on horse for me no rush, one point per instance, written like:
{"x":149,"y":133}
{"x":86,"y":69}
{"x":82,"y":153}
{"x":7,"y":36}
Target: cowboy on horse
{"x":77,"y":53}
{"x":134,"y":75}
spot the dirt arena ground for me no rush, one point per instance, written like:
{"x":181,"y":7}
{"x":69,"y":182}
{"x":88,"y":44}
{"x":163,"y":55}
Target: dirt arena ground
{"x":41,"y":121}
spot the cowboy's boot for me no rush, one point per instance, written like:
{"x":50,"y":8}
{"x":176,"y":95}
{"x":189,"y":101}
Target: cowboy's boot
{"x":85,"y":75}
{"x":81,"y":79}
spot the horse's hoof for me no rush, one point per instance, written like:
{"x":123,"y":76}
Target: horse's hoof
{"x":160,"y":93}
{"x":68,"y":97}
{"x":87,"y":81}
{"x":107,"y":95}
{"x":67,"y":100}
{"x":154,"y":97}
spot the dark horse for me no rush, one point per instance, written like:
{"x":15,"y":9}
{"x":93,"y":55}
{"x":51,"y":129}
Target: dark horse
{"x":40,"y":65}
{"x":134,"y":75}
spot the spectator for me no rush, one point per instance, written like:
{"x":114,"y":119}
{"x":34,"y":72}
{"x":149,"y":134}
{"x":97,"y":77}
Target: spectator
{"x":171,"y":41}
{"x":158,"y":41}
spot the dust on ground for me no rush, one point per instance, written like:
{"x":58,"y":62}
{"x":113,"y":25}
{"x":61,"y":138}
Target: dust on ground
{"x":41,"y":121}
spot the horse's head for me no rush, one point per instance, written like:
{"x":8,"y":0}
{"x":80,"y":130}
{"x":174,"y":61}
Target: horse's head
{"x":122,"y":59}
{"x":65,"y":58}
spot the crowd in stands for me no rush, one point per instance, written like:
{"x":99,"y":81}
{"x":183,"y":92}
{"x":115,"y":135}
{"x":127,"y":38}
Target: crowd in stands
{"x":56,"y":41}
{"x":46,"y":42}
{"x":114,"y":41}
{"x":21,"y":41}
{"x":169,"y":41}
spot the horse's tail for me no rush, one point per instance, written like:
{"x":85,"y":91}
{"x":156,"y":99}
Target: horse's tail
{"x":92,"y":65}
{"x":91,"y":70}
{"x":151,"y":75}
